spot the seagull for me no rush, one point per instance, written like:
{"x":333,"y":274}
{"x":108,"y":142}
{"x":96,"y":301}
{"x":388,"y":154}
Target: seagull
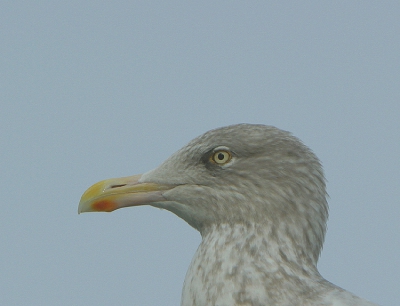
{"x":257,"y":196}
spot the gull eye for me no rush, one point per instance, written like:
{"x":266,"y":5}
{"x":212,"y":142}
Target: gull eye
{"x":221,"y":157}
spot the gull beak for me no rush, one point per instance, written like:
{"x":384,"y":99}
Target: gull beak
{"x":111,"y":194}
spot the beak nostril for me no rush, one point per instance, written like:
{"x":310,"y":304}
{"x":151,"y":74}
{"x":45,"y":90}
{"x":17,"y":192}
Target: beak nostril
{"x":116,"y":186}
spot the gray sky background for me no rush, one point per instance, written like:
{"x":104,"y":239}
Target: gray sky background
{"x":94,"y":90}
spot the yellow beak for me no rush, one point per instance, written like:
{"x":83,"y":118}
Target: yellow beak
{"x":111,"y":194}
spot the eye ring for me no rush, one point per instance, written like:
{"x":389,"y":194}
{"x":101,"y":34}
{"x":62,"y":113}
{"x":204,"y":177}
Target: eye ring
{"x":221,"y":157}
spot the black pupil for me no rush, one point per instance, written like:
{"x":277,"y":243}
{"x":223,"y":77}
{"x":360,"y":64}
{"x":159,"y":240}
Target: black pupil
{"x":220,"y":156}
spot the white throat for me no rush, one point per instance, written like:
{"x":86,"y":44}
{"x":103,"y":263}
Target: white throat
{"x":242,"y":265}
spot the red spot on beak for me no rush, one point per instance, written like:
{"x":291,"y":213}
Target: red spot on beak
{"x":104,"y":205}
